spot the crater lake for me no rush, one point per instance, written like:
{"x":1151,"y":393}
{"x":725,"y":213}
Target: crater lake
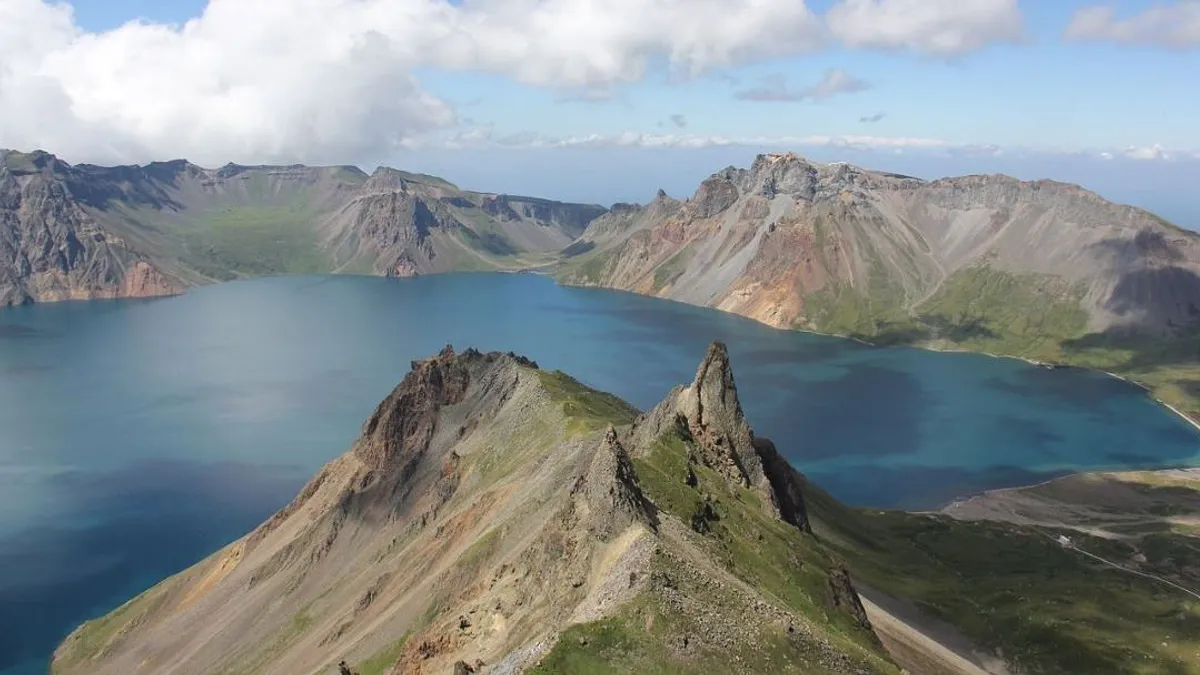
{"x":137,"y":437}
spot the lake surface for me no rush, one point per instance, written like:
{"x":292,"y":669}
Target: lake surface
{"x":136,"y":437}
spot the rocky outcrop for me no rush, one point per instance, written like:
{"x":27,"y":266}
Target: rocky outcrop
{"x":399,"y":431}
{"x":51,"y":248}
{"x":710,"y":414}
{"x":610,"y":487}
{"x":845,"y":598}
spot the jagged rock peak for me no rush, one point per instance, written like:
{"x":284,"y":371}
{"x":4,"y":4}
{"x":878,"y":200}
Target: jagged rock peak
{"x":714,"y":418}
{"x":614,"y":495}
{"x":710,"y":414}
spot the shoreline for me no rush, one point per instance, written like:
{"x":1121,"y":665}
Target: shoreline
{"x":1049,"y":365}
{"x":537,"y":270}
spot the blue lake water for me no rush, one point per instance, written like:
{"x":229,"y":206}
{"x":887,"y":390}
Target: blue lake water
{"x":136,"y":437}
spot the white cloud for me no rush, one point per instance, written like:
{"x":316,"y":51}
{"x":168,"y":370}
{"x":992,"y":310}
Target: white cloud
{"x":776,"y":89}
{"x":330,"y":80}
{"x":941,"y":27}
{"x":632,"y":139}
{"x":1174,"y":25}
{"x":1146,"y":153}
{"x":483,"y":137}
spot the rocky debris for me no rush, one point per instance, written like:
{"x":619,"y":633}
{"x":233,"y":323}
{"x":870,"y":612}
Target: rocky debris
{"x":463,"y":668}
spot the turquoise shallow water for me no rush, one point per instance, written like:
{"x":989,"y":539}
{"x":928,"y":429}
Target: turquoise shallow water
{"x":136,"y":437}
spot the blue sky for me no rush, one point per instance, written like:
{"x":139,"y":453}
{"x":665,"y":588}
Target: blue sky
{"x":1037,"y":89}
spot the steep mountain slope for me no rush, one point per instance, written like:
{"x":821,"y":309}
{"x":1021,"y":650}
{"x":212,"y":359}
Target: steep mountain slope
{"x":490,"y":506}
{"x":52,"y":248}
{"x":87,"y":231}
{"x":496,"y":518}
{"x":1043,"y":270}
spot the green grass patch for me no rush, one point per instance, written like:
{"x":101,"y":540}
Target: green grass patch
{"x":381,"y":662}
{"x":648,"y":639}
{"x":986,"y":309}
{"x":255,"y":241}
{"x":672,"y":268}
{"x":767,"y":553}
{"x":587,"y":409}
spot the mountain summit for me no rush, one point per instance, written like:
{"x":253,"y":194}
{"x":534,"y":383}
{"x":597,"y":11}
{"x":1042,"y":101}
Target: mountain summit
{"x":494,"y":517}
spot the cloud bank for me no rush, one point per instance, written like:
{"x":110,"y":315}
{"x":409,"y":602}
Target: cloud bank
{"x":332,"y":80}
{"x":1174,"y":25}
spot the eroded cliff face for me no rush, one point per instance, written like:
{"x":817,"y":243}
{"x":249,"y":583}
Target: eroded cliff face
{"x":498,"y":518}
{"x":52,"y":249}
{"x":836,"y":248}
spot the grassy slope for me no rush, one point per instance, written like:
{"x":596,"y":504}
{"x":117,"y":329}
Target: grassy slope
{"x":769,"y":555}
{"x":1038,"y":317}
{"x":1015,"y":591}
{"x":255,"y":241}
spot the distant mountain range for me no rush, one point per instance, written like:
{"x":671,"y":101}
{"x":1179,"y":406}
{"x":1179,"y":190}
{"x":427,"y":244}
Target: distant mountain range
{"x":80,"y":232}
{"x":1043,"y":270}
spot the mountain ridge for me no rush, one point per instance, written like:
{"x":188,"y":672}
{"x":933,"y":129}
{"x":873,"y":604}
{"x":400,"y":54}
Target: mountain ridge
{"x":75,"y":231}
{"x":487,"y":507}
{"x":494,"y":517}
{"x":1042,"y":270}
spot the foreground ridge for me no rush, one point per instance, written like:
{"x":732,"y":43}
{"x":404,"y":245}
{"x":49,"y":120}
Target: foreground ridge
{"x":494,"y":517}
{"x":488,"y":513}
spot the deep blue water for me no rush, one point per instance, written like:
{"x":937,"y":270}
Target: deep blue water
{"x":136,"y":437}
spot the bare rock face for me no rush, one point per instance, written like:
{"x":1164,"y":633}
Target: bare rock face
{"x":52,"y":249}
{"x":845,"y":598}
{"x":714,"y":196}
{"x":611,"y":489}
{"x":715,"y":419}
{"x":400,"y":429}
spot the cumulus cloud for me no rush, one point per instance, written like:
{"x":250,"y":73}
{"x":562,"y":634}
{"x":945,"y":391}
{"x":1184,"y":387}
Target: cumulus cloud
{"x":331,"y":80}
{"x":776,"y":89}
{"x":1175,"y":25}
{"x":871,"y":119}
{"x":938,"y":27}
